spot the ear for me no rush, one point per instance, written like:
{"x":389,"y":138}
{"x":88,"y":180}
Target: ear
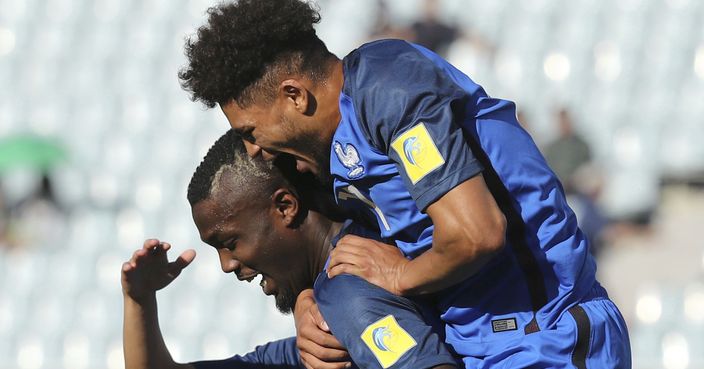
{"x":296,"y":93}
{"x":285,"y":205}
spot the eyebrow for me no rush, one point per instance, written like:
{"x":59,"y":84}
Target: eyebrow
{"x":211,"y":239}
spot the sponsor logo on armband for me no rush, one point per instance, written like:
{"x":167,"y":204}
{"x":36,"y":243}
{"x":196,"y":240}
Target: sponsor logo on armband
{"x":418,"y":152}
{"x":387,"y":340}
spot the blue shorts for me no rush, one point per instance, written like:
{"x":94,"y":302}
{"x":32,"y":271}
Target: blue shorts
{"x":590,"y":335}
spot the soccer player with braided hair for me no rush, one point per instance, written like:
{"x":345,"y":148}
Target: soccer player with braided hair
{"x":481,"y":224}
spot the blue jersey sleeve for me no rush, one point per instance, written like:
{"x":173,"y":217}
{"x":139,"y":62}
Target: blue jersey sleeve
{"x":379,"y":329}
{"x":281,"y":354}
{"x":412,"y":111}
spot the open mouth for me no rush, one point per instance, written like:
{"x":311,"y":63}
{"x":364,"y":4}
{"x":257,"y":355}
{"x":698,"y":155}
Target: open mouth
{"x":268,"y":286}
{"x":265,"y":283}
{"x":249,"y":278}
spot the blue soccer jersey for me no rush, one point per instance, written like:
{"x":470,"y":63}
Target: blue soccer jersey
{"x":379,"y":329}
{"x":281,"y":354}
{"x":413,"y":127}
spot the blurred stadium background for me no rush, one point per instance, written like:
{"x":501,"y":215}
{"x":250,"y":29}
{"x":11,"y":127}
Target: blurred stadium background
{"x":98,"y":78}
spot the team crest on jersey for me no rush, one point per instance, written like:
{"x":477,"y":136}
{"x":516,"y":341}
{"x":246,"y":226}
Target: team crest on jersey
{"x":418,"y":152}
{"x":387,"y":340}
{"x":349,"y":157}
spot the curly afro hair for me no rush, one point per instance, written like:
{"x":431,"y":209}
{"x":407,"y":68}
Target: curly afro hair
{"x":244,"y":46}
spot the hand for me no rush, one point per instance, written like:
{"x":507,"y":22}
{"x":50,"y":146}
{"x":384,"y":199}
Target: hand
{"x":318,"y":348}
{"x":375,"y":262}
{"x":149,"y":270}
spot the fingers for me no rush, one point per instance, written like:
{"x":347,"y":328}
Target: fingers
{"x":137,"y":257}
{"x":150,"y":243}
{"x":318,"y":348}
{"x":311,"y":362}
{"x":155,"y":246}
{"x":181,"y":262}
{"x":354,"y":246}
{"x":344,"y":256}
{"x":318,"y":318}
{"x":322,"y":353}
{"x":155,"y":250}
{"x":186,"y":258}
{"x":312,"y":327}
{"x":318,"y":338}
{"x":343,"y":261}
{"x":357,"y":243}
{"x":346,"y":269}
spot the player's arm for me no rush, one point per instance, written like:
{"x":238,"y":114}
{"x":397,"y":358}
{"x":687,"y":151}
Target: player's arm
{"x":146,"y":272}
{"x":469,"y":230}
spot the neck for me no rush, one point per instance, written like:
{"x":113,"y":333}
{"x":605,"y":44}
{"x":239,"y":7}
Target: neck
{"x":321,"y":231}
{"x":330,"y":96}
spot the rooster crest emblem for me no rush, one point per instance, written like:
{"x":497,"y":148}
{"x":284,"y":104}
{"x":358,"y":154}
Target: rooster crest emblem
{"x":349,"y":157}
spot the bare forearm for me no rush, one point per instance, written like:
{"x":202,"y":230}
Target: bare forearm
{"x":469,"y":229}
{"x":143,"y":343}
{"x":439,"y":268}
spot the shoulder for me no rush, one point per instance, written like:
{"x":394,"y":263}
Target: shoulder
{"x":379,"y":63}
{"x":390,"y":83}
{"x":359,"y":296}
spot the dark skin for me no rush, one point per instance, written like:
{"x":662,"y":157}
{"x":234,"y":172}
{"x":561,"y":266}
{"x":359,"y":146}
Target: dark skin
{"x":469,"y":226}
{"x":246,"y":245}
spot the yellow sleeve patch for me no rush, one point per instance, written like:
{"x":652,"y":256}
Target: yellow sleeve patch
{"x":387,"y":340}
{"x":418,"y":152}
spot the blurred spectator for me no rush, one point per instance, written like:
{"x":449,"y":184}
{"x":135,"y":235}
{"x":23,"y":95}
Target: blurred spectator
{"x":383,"y":26}
{"x":431,"y":31}
{"x":37,"y":220}
{"x":4,"y":218}
{"x":567,"y":152}
{"x":569,"y":156}
{"x":583,"y":200}
{"x":464,"y":48}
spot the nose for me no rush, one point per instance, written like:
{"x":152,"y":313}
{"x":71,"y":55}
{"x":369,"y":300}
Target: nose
{"x":227,"y":263}
{"x":254,"y":150}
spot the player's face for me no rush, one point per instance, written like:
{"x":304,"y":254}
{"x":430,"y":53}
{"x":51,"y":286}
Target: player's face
{"x":251,"y":243}
{"x":273,"y":130}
